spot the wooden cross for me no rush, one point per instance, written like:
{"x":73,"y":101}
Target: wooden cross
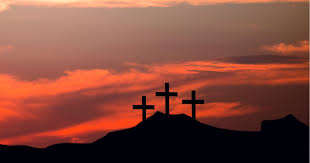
{"x":144,"y":107}
{"x":167,"y":94}
{"x":193,"y":101}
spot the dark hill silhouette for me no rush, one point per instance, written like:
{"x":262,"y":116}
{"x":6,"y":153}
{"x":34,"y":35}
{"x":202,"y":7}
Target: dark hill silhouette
{"x":177,"y":138}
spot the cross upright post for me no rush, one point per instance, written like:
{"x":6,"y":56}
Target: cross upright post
{"x":167,"y":94}
{"x":193,"y":101}
{"x":143,"y":107}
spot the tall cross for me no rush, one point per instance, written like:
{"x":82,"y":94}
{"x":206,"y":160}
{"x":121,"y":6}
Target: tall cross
{"x":144,"y":107}
{"x":193,"y":101}
{"x":167,"y":94}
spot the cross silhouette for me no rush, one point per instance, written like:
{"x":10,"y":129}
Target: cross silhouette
{"x":193,"y":101}
{"x":167,"y":94}
{"x":144,"y":107}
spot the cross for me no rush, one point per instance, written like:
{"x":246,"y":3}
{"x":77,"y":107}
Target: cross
{"x":144,"y":107}
{"x":167,"y":94}
{"x":193,"y":101}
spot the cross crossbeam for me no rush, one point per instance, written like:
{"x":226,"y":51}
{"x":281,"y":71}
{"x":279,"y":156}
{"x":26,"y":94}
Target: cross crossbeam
{"x":143,"y":107}
{"x":193,"y":101}
{"x":167,"y":94}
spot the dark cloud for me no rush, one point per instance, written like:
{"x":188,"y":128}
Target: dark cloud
{"x":264,"y":59}
{"x":58,"y":39}
{"x":273,"y":101}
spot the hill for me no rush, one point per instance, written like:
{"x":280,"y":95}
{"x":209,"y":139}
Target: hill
{"x":177,"y":138}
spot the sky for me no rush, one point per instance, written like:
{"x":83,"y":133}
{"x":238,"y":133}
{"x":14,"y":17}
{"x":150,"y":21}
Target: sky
{"x":70,"y":70}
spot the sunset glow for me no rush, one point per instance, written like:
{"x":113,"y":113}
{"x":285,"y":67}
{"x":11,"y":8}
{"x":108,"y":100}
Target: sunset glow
{"x":70,"y":70}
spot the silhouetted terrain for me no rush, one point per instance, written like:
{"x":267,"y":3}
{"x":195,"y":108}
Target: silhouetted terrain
{"x":177,"y":138}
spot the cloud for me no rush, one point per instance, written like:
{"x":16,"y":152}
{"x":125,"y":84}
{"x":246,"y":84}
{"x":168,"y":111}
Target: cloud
{"x":135,"y":79}
{"x":283,"y":48}
{"x":99,"y":100}
{"x":4,"y":4}
{"x":5,"y":48}
{"x":263,"y":59}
